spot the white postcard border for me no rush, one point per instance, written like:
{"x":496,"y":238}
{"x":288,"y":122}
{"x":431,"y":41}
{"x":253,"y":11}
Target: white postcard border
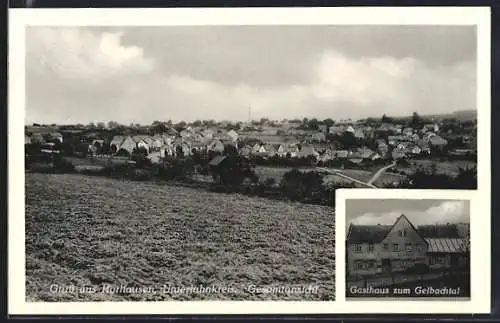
{"x":480,"y":199}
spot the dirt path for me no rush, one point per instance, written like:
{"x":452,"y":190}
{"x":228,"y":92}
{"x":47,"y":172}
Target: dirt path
{"x":339,"y":173}
{"x":380,"y":172}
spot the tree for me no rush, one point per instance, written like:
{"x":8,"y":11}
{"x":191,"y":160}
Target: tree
{"x":303,"y":186}
{"x":385,"y":119}
{"x":101,"y":125}
{"x":234,"y":169}
{"x":328,"y":122}
{"x":158,"y":128}
{"x":313,"y":124}
{"x":231,"y":151}
{"x":415,"y":120}
{"x":91,"y":125}
{"x":180,"y":126}
{"x":113,"y":124}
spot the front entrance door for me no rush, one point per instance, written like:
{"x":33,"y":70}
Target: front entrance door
{"x":386,"y":265}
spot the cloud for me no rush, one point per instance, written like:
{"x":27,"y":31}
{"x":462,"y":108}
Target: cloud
{"x":78,"y":75}
{"x":72,"y":53}
{"x":446,"y":212}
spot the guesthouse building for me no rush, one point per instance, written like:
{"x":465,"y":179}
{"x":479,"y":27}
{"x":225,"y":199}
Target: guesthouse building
{"x":379,"y":249}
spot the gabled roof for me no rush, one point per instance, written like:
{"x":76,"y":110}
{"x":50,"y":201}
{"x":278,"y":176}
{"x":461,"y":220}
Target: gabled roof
{"x":148,"y":140}
{"x":374,"y":233}
{"x":118,"y":140}
{"x":270,"y":147}
{"x":367,"y":233}
{"x":138,"y":138}
{"x":233,"y":134}
{"x":307,"y":150}
{"x":443,"y":231}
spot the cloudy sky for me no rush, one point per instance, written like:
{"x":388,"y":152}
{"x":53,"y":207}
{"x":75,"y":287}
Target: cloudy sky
{"x":141,"y":74}
{"x":385,"y":212}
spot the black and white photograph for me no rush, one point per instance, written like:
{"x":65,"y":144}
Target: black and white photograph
{"x":401,"y":248}
{"x":208,"y":157}
{"x":172,"y":156}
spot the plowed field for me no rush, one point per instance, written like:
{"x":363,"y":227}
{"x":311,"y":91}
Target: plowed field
{"x":93,"y":232}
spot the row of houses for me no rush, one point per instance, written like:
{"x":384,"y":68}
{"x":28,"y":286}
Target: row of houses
{"x":186,"y":142}
{"x":365,"y":131}
{"x":321,"y":152}
{"x":382,"y":249}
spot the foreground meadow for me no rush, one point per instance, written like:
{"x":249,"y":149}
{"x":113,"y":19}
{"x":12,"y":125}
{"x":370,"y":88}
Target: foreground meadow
{"x":93,"y":231}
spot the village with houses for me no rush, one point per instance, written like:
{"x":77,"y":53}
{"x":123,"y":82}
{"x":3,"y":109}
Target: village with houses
{"x":341,"y":142}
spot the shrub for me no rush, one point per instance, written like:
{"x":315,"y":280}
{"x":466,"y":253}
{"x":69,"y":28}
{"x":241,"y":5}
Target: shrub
{"x":302,"y":186}
{"x":270,"y":182}
{"x":234,"y":170}
{"x":418,"y":269}
{"x":61,"y":164}
{"x":141,"y":161}
{"x":172,"y":169}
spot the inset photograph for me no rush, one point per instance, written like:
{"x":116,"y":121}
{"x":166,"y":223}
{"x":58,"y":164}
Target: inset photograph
{"x":399,"y":248}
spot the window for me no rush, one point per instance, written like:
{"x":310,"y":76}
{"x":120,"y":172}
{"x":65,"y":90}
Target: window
{"x":357,"y":248}
{"x":371,"y":247}
{"x":358,"y":265}
{"x":386,"y":246}
{"x":402,"y":233}
{"x":420,"y":248}
{"x":409,"y":247}
{"x":395,"y":247}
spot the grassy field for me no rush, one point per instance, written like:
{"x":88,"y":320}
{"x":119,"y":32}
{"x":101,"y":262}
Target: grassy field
{"x":91,"y":231}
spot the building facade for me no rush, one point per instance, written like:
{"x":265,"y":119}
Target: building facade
{"x":378,"y":249}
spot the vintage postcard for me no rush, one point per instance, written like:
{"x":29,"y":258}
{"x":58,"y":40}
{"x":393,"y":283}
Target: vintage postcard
{"x":188,"y":160}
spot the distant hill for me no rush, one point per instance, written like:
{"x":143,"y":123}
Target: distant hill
{"x":462,"y":115}
{"x":465,"y":114}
